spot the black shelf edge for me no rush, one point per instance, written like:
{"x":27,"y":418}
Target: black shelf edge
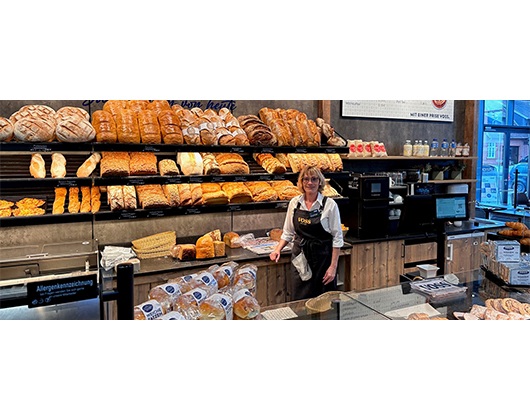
{"x":143,"y":147}
{"x":44,"y":182}
{"x":53,"y":146}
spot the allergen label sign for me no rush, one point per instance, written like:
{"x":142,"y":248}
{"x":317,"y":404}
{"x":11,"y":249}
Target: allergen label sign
{"x":53,"y":292}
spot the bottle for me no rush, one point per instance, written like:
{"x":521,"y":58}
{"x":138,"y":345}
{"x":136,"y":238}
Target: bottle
{"x":452,"y":148}
{"x":434,"y":147}
{"x":458,"y":151}
{"x":426,"y":148}
{"x":407,"y":148}
{"x":416,"y":148}
{"x":444,"y":150}
{"x":465,"y":150}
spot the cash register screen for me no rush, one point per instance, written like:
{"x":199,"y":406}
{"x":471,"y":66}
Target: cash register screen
{"x":451,"y":207}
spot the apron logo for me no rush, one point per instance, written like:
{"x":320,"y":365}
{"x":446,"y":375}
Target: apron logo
{"x":303,"y":221}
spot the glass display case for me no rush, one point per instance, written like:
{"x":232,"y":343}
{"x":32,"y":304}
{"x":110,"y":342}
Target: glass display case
{"x":444,"y":297}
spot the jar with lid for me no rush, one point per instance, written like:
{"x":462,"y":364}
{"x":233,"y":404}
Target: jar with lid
{"x":465,"y":150}
{"x":407,"y":148}
{"x":416,"y":148}
{"x":426,"y":148}
{"x":459,"y":149}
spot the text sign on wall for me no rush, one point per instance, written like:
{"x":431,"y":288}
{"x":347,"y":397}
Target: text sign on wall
{"x":437,"y":110}
{"x":63,"y":290}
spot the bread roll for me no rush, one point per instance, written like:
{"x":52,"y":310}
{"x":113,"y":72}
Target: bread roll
{"x":189,"y":302}
{"x":37,"y":167}
{"x":166,"y":294}
{"x":85,"y":200}
{"x":88,"y":166}
{"x":69,"y":111}
{"x":149,"y":127}
{"x":58,"y":202}
{"x":148,"y":310}
{"x":75,"y":129}
{"x":6,"y":129}
{"x":231,"y":240}
{"x":73,"y":200}
{"x":34,"y":129}
{"x":58,"y":167}
{"x":105,"y":126}
{"x":170,"y":127}
{"x":204,"y":247}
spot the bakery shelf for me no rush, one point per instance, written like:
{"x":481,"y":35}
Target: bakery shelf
{"x":44,"y":182}
{"x":53,"y":146}
{"x":45,"y":219}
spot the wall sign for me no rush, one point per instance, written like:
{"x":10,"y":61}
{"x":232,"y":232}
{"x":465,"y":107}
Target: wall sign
{"x":434,"y":110}
{"x":71,"y":289}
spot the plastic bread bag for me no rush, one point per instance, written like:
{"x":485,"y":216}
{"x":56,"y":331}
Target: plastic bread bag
{"x":172,"y":316}
{"x":206,"y":281}
{"x":165,"y":294}
{"x":185,"y":283}
{"x":216,"y":307}
{"x":246,"y":276}
{"x":148,"y":310}
{"x":188,"y":303}
{"x":245,"y":306}
{"x":224,"y":274}
{"x":244,"y":240}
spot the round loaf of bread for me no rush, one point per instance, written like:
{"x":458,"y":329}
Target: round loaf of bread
{"x":42,"y":111}
{"x":35,"y":129}
{"x":75,"y":129}
{"x":68,"y":111}
{"x":6,"y":129}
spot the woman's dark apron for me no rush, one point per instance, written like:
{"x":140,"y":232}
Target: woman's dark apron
{"x":317,"y":245}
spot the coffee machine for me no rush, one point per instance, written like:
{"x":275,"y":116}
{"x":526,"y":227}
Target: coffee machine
{"x":367,"y":215}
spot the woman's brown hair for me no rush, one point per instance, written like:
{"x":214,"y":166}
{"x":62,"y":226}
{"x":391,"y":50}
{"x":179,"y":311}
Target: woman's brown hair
{"x":311,"y":171}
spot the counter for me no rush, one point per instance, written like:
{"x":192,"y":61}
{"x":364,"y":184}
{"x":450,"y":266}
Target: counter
{"x":394,"y":303}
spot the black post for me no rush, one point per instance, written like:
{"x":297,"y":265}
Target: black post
{"x":125,"y":288}
{"x":515,"y":181}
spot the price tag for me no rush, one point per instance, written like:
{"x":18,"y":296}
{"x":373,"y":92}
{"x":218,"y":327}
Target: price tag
{"x":151,"y":149}
{"x":264,"y":177}
{"x":300,"y":150}
{"x":218,"y":179}
{"x":267,"y":150}
{"x":331,"y":150}
{"x":67,"y":183}
{"x":240,"y":179}
{"x":53,"y":292}
{"x":234,"y":208}
{"x":281,"y":205}
{"x":237,"y":150}
{"x":279,"y":177}
{"x":192,"y":210}
{"x":173,"y":180}
{"x":40,"y":148}
{"x":156,"y":213}
{"x":195,"y":180}
{"x":136,"y":181}
{"x":128,"y":215}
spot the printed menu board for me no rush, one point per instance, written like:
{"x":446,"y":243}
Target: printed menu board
{"x":433,"y":110}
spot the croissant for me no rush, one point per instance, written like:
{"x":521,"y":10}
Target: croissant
{"x":516,"y":225}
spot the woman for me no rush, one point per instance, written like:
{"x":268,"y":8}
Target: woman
{"x":313,"y":224}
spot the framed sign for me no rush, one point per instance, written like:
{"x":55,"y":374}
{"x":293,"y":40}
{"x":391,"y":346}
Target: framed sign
{"x":62,"y":290}
{"x":433,"y":110}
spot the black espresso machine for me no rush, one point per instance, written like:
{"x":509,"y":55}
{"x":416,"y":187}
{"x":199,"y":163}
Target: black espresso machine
{"x":369,"y":197}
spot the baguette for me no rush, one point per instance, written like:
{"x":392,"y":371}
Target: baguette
{"x":85,"y":200}
{"x":58,"y":203}
{"x":95,"y":199}
{"x":88,"y":166}
{"x":73,"y":200}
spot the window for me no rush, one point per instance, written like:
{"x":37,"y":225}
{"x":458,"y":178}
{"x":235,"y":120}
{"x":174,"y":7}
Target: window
{"x":503,"y":153}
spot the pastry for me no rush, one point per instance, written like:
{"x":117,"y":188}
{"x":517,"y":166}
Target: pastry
{"x":85,"y":200}
{"x":60,"y":198}
{"x":73,"y":200}
{"x":58,"y":167}
{"x":37,"y":166}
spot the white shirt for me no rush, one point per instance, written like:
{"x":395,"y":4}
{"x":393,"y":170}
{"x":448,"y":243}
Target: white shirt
{"x":330,"y":218}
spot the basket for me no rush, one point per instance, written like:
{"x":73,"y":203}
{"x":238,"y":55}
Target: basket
{"x":154,"y":241}
{"x":322,"y":303}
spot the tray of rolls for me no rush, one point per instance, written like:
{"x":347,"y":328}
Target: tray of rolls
{"x":517,"y":231}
